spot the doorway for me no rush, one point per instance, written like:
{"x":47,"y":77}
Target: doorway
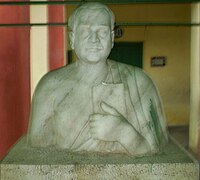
{"x":128,"y":53}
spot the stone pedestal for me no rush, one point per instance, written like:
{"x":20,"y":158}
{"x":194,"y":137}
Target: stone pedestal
{"x":25,"y":163}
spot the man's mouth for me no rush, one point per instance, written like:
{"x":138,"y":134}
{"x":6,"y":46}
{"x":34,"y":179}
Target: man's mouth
{"x":94,"y":49}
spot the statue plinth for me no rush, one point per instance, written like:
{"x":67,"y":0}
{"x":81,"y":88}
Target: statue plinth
{"x":25,"y":163}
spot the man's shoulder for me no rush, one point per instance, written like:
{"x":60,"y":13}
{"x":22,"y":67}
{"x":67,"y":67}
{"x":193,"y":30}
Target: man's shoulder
{"x":53,"y":78}
{"x":130,"y":71}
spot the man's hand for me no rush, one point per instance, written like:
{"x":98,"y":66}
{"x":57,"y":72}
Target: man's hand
{"x":112,"y":126}
{"x":109,"y":126}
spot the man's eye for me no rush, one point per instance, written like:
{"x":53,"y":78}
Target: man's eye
{"x":84,"y":31}
{"x":103,"y":32}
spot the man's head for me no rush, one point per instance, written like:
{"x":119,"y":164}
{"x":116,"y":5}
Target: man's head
{"x":92,"y":32}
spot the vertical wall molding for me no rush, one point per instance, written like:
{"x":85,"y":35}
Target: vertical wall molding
{"x":194,"y":133}
{"x":48,"y":49}
{"x":38,"y":44}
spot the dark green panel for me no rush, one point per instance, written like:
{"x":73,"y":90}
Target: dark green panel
{"x":144,"y":1}
{"x":128,"y":53}
{"x":103,"y":1}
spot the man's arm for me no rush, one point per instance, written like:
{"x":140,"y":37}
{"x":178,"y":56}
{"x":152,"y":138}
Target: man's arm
{"x":41,"y":118}
{"x":154,"y":127}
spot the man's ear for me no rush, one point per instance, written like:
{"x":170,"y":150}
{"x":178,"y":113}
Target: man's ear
{"x":113,"y":37}
{"x":71,"y":39}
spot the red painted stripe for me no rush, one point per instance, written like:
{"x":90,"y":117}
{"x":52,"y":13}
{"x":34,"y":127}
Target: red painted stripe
{"x":57,"y":51}
{"x":14,"y":76}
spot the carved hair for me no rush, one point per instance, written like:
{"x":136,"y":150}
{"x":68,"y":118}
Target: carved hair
{"x":91,"y":6}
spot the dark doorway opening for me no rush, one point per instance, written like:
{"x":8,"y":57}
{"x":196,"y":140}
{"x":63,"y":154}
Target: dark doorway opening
{"x":128,"y":53}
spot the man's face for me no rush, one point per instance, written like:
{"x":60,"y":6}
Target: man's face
{"x":93,"y":37}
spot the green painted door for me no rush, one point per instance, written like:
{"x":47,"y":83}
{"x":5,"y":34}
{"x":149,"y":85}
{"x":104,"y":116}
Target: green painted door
{"x":128,"y":53}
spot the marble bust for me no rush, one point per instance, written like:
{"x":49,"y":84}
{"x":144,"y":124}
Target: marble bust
{"x":96,"y":104}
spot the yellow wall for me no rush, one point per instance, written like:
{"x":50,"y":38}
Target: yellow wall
{"x":173,"y":80}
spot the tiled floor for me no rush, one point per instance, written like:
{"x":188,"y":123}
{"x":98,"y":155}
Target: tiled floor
{"x":181,"y":134}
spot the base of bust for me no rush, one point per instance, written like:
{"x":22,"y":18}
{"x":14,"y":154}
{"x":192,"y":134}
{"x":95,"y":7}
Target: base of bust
{"x":25,"y":163}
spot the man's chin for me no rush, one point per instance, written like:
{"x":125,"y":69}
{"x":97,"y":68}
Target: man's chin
{"x":94,"y":60}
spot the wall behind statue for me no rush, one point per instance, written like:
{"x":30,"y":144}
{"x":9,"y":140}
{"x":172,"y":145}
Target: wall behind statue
{"x":26,"y":54}
{"x":172,"y":80}
{"x":14,"y":76}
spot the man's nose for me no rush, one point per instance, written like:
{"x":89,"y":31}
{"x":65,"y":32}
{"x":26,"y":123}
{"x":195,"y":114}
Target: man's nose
{"x":94,"y":37}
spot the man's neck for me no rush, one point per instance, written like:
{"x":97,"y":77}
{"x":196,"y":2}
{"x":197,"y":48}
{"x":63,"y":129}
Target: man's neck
{"x":91,"y":67}
{"x":92,"y":72}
